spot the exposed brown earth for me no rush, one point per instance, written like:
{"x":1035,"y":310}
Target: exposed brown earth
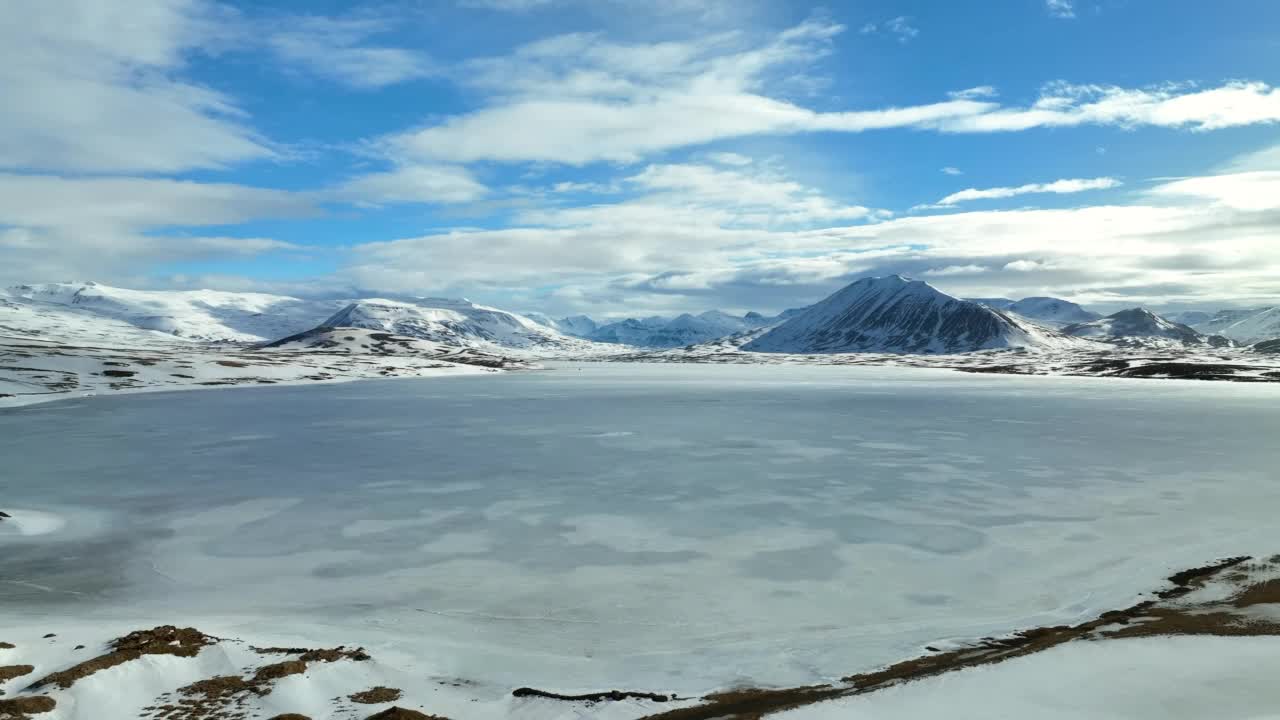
{"x":308,"y":655}
{"x":9,"y":672}
{"x":375,"y":695}
{"x":289,"y":716}
{"x":6,"y":645}
{"x":163,"y":640}
{"x":23,"y":707}
{"x":399,"y":713}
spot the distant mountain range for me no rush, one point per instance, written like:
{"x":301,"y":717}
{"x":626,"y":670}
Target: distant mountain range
{"x":886,"y":314}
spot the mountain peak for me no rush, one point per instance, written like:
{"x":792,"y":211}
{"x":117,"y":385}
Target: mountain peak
{"x":894,"y":314}
{"x":1138,"y":325}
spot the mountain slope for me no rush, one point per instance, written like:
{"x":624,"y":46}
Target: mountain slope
{"x":896,"y":315}
{"x":205,"y":315}
{"x":1224,"y":319}
{"x":454,"y":323}
{"x":1052,"y":311}
{"x":1139,"y":325}
{"x":1259,"y":325}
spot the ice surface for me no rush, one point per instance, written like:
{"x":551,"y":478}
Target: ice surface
{"x":660,"y":527}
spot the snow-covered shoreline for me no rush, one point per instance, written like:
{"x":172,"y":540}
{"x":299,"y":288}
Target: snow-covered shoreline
{"x":82,"y":668}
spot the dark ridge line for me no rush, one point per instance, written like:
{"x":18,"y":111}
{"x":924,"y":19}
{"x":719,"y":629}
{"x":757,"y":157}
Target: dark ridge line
{"x":592,"y":697}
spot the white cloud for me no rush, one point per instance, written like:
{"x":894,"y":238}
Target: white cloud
{"x":88,"y":204}
{"x":60,"y":228}
{"x":1057,"y":186}
{"x":948,"y":170}
{"x":1207,"y":238}
{"x":1258,"y":190}
{"x":956,"y":270}
{"x":98,"y":86}
{"x":728,"y":158}
{"x":1023,"y":265}
{"x":337,"y":48}
{"x":900,"y":26}
{"x":1267,"y":158}
{"x":412,"y":184}
{"x":578,"y":99}
{"x":981,"y":91}
{"x":1060,"y":8}
{"x":1064,"y":105}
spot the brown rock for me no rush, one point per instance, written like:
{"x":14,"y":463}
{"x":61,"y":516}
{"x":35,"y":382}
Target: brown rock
{"x":9,"y":672}
{"x":289,"y":716}
{"x":20,"y":708}
{"x":399,"y":713}
{"x":163,"y":640}
{"x":268,"y":673}
{"x":379,"y":694}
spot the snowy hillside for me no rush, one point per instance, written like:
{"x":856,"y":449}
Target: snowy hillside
{"x":893,"y":314}
{"x":206,"y":315}
{"x":1141,"y":326}
{"x":455,"y":323}
{"x":575,"y":325}
{"x":1223,"y":319}
{"x":1256,"y":326}
{"x":1051,"y":311}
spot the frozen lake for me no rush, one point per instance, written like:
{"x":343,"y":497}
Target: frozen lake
{"x":654,"y":527}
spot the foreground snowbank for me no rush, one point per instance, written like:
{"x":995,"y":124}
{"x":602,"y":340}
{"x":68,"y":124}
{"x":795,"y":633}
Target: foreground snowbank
{"x":1205,"y":646}
{"x":1162,"y":678}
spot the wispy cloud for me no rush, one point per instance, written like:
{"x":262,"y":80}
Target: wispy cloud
{"x":340,"y":49}
{"x":1060,"y":8}
{"x":1057,"y":186}
{"x":981,"y":91}
{"x":952,"y":171}
{"x":578,"y":99}
{"x":439,"y":184}
{"x":900,"y":27}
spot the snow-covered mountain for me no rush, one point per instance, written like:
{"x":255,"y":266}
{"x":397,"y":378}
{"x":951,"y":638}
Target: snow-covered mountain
{"x":1190,"y":317}
{"x":575,"y":325}
{"x":897,"y":315}
{"x":1223,"y":319}
{"x":686,"y":329}
{"x":1139,"y":325}
{"x":205,"y":315}
{"x":997,"y":303}
{"x":1246,"y":326}
{"x":1050,"y":311}
{"x":453,"y":323}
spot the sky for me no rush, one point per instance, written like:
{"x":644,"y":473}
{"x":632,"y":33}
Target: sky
{"x":622,"y":158}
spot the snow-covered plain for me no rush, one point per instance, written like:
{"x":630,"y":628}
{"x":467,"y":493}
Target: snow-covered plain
{"x":667,"y":528}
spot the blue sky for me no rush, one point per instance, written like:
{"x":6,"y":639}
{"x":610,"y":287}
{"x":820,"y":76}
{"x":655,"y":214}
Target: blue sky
{"x":618,"y":157}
